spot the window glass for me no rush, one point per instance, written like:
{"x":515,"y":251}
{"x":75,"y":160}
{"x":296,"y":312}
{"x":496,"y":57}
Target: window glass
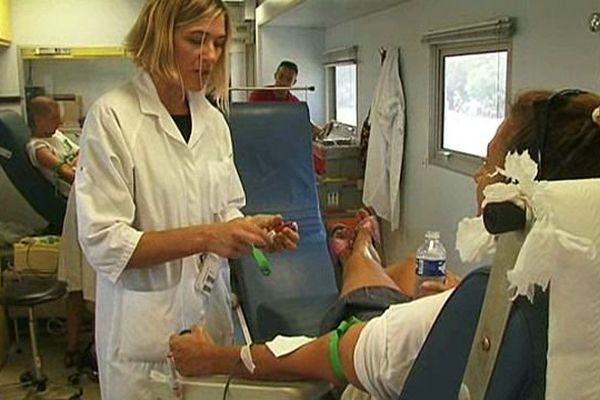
{"x":470,"y":85}
{"x":474,"y":100}
{"x":345,"y":94}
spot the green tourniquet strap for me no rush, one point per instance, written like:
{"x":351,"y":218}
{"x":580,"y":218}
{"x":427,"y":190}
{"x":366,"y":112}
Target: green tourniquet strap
{"x":262,"y":261}
{"x":334,"y":350}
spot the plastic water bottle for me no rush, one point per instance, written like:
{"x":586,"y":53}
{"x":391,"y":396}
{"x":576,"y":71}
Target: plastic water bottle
{"x":431,"y":261}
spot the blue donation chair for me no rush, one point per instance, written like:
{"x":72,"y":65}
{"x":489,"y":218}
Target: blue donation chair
{"x":272,"y":149}
{"x":273,"y":155}
{"x":520,"y":366}
{"x":39,"y":193}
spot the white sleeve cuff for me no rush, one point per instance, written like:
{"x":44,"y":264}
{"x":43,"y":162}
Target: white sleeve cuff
{"x":231,"y":213}
{"x":129,"y":245}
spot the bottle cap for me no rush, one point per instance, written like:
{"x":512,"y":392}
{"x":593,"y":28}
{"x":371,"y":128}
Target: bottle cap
{"x":432,"y":235}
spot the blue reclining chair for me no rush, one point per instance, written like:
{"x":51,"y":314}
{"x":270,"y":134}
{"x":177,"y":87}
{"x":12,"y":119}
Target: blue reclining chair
{"x":273,"y":154}
{"x":520,"y":367}
{"x":39,"y":193}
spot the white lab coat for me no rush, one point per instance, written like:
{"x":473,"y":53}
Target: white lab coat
{"x":137,"y":174}
{"x":73,"y":267}
{"x":386,"y":143}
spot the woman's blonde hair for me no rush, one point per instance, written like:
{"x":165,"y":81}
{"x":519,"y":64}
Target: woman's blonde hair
{"x":150,"y":40}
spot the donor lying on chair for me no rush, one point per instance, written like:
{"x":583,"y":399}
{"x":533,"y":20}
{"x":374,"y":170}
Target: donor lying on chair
{"x":377,"y":356}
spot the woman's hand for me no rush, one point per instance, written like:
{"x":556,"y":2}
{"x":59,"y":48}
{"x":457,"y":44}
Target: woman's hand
{"x":404,"y":274}
{"x":234,"y":239}
{"x":434,"y":287}
{"x":282,"y":236}
{"x":192,"y":352}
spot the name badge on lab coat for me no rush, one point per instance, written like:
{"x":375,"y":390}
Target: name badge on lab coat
{"x":208,"y":267}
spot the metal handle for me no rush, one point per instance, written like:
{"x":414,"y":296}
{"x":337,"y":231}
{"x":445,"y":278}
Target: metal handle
{"x":252,"y":88}
{"x":595,"y":22}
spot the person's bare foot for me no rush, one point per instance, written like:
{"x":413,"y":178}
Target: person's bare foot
{"x":364,"y":242}
{"x":368,"y":219}
{"x":341,"y":243}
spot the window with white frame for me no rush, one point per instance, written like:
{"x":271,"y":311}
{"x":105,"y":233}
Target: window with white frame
{"x":470,"y":81}
{"x":340,"y":67}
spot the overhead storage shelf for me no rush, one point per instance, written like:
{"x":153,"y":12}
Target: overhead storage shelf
{"x":71,"y":53}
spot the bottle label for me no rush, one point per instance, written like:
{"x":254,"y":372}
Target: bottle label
{"x":431,"y":268}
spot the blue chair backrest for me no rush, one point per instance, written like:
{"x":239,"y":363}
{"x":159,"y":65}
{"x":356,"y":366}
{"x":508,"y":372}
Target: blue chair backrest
{"x":39,"y":193}
{"x":273,"y":155}
{"x":520,"y":367}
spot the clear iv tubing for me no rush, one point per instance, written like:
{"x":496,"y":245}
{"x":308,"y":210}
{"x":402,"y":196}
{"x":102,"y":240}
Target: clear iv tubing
{"x":174,"y":382}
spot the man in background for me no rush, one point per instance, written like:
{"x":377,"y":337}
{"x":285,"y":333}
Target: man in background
{"x":285,"y":76}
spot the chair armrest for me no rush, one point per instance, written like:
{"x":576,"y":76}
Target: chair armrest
{"x":211,"y":388}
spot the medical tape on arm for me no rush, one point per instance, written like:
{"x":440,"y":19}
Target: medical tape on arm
{"x":334,"y":348}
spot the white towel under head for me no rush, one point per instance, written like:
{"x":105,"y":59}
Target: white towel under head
{"x":562,"y":250}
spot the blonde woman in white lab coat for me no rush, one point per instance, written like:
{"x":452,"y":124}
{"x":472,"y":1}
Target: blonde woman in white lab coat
{"x":158,"y":196}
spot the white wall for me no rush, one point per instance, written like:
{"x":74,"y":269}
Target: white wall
{"x":552,"y":48}
{"x":73,"y":22}
{"x":66,"y":23}
{"x":304,"y":47}
{"x":87,"y":78}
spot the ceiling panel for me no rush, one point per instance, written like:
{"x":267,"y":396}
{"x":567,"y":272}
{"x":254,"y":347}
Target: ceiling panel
{"x":327,"y":13}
